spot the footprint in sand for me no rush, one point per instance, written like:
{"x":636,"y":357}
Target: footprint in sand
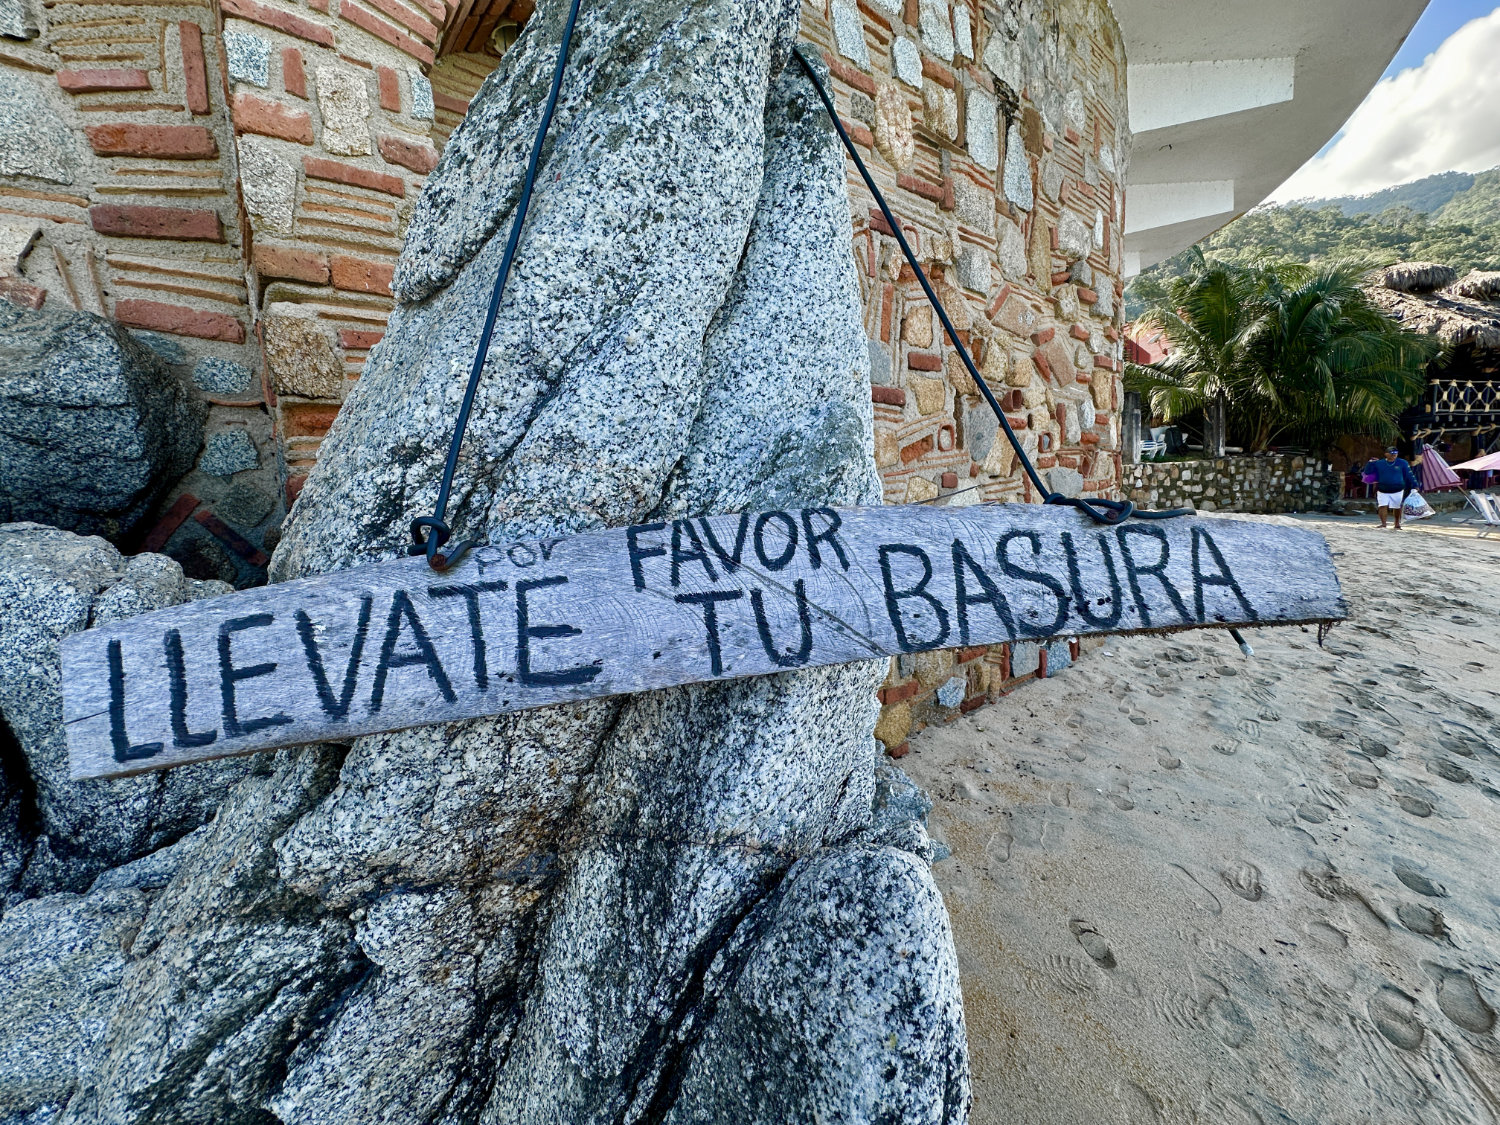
{"x":1459,"y":999}
{"x":1449,"y":771}
{"x":1244,"y":879}
{"x":1415,"y":806}
{"x":1422,"y":920}
{"x":1412,"y":876}
{"x":1137,"y":1105}
{"x":1364,"y":780}
{"x":1093,"y":944}
{"x":1395,"y":1016}
{"x":1168,"y":761}
{"x":1373,"y":746}
{"x":1223,"y":1016}
{"x":1203,"y":898}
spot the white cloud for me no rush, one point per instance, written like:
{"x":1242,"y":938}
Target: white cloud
{"x":1437,"y":117}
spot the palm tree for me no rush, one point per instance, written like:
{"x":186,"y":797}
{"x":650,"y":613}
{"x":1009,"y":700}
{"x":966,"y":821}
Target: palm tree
{"x":1331,"y":361}
{"x":1278,"y":352}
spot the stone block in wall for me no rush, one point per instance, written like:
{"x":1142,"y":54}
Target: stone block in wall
{"x":34,"y":140}
{"x":344,"y":103}
{"x":268,"y":185}
{"x":300,"y":353}
{"x":894,"y":138}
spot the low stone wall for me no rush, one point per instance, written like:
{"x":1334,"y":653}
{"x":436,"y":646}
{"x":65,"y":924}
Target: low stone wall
{"x":936,"y":687}
{"x":1257,"y":483}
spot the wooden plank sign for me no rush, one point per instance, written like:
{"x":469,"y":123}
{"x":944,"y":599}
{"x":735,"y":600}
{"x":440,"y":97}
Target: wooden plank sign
{"x":395,"y":645}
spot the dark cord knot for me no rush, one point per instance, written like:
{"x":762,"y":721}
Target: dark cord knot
{"x":438,"y":534}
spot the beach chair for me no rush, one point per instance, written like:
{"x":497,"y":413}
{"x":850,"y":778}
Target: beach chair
{"x":1488,"y":508}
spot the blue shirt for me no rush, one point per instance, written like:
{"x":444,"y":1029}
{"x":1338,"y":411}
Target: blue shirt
{"x":1392,"y":476}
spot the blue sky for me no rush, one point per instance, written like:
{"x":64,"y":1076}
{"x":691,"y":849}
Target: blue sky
{"x":1433,"y":111}
{"x":1441,"y":19}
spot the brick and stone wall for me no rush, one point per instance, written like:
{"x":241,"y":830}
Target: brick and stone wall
{"x":1266,"y":483}
{"x":232,"y":180}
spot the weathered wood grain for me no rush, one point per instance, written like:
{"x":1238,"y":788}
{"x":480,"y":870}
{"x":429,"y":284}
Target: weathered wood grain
{"x":530,"y":624}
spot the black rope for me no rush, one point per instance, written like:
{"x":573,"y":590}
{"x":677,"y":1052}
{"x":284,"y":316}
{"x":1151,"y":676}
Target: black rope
{"x":438,"y":531}
{"x":1102,"y":511}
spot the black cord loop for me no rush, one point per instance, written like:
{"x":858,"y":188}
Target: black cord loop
{"x":438,"y":531}
{"x":1101,"y":511}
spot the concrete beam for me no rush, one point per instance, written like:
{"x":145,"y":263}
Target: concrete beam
{"x":1149,"y":206}
{"x":1167,"y":94}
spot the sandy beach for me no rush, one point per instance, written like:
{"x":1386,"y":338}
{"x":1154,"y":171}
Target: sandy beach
{"x":1188,"y":886}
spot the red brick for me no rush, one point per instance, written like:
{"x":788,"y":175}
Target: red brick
{"x":848,"y":75}
{"x":390,"y":89}
{"x":1052,"y":235}
{"x":1043,"y":337}
{"x":1060,"y":278}
{"x":307,"y":419}
{"x":294,"y":486}
{"x":194,"y":70}
{"x":293,"y":76}
{"x":924,"y":361}
{"x":353,"y":338}
{"x":271,"y":119}
{"x":23,"y":293}
{"x":268,"y":16}
{"x":1105,"y":362}
{"x":1088,"y":438}
{"x":103,"y":81}
{"x":1016,"y":423}
{"x":939,"y":73}
{"x":900,"y":693}
{"x":890,"y":396}
{"x":420,"y":158}
{"x":949,"y":480}
{"x":860,"y":136}
{"x":406,"y":18}
{"x":901,"y":751}
{"x":165,"y":142}
{"x":878,"y":223}
{"x":379,"y":28}
{"x":360,"y":275}
{"x":289,"y":262}
{"x":340,"y":173}
{"x":450,"y":103}
{"x":1041,"y":667}
{"x":920,"y":187}
{"x":974,"y":652}
{"x":128,"y":220}
{"x":973,"y":703}
{"x":175,"y":516}
{"x":1087,"y":296}
{"x":1071,"y":137}
{"x":1079,"y":332}
{"x":232,"y":539}
{"x":1041,"y":363}
{"x":917,"y":449}
{"x":157,"y":316}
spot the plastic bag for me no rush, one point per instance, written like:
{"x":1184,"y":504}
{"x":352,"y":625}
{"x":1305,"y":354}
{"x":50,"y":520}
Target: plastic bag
{"x":1370,"y":476}
{"x":1416,"y":507}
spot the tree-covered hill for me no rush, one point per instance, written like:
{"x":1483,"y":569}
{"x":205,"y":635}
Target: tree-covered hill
{"x":1463,"y":230}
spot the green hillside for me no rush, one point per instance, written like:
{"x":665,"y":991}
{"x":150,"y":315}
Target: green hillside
{"x":1425,"y":195}
{"x":1463,"y":232}
{"x":1479,"y":205}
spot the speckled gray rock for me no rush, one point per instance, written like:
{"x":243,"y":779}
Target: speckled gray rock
{"x":93,"y":426}
{"x":515,"y":919}
{"x":53,"y":583}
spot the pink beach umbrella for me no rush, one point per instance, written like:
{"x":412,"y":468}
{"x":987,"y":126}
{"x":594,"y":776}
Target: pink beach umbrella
{"x":1435,"y":473}
{"x":1489,"y":462}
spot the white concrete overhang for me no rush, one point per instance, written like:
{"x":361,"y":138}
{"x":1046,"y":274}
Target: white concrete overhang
{"x":1229,"y":97}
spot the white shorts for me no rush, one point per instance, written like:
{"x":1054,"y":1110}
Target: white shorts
{"x":1388,"y":499}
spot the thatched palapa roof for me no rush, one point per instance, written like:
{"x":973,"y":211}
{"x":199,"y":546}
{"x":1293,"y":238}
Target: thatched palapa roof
{"x":1456,"y":312}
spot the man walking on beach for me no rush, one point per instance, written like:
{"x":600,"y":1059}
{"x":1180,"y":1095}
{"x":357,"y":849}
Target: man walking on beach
{"x":1393,"y":480}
